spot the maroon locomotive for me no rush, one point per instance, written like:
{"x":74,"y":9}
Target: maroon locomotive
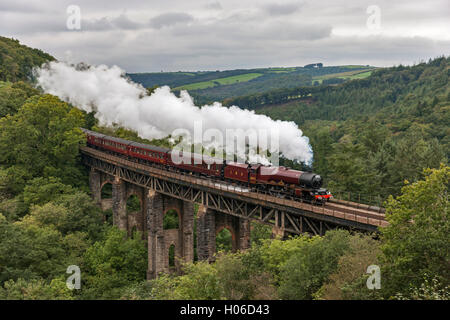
{"x":275,"y":180}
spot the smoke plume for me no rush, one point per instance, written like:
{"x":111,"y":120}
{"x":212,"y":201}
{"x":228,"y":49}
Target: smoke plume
{"x":117,"y":100}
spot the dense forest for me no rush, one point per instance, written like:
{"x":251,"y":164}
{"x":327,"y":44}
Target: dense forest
{"x":48,"y":220}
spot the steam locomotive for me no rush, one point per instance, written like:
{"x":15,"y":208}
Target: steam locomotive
{"x":280,"y":181}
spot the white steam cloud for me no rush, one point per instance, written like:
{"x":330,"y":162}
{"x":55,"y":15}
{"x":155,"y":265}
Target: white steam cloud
{"x":117,"y":100}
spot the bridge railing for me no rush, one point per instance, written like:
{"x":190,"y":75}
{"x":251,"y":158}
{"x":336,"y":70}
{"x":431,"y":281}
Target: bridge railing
{"x":372,"y":200}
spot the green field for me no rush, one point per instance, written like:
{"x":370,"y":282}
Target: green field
{"x":355,"y":66}
{"x":221,"y":81}
{"x":349,"y":75}
{"x":361,"y":75}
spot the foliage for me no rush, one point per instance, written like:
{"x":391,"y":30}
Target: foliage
{"x":133,"y":203}
{"x":37,"y":289}
{"x":224,"y":240}
{"x":275,"y":253}
{"x":227,"y":278}
{"x":415,"y":243}
{"x":238,"y":281}
{"x":46,"y":138}
{"x":171,"y":220}
{"x":17,"y":61}
{"x":200,"y":282}
{"x":42,"y":190}
{"x":30,"y":252}
{"x":13,"y":96}
{"x":306,"y":270}
{"x":113,"y":264}
{"x":428,"y":290}
{"x":259,"y":233}
{"x":348,"y":282}
{"x":68,"y":213}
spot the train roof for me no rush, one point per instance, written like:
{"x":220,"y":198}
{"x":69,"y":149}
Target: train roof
{"x":149,"y":147}
{"x":124,"y":141}
{"x":93,"y":133}
{"x":118,"y":140}
{"x":200,"y":157}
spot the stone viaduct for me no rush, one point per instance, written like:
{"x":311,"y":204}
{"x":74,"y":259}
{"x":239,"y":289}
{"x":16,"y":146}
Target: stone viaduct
{"x":149,"y":221}
{"x":157,"y":192}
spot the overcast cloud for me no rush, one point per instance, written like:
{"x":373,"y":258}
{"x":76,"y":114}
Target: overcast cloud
{"x":177,"y":35}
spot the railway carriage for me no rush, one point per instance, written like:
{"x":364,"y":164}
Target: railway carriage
{"x":280,"y":180}
{"x":199,"y":164}
{"x":148,"y":153}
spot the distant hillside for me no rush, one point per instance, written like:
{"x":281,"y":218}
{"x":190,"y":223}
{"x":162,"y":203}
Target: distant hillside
{"x":370,"y":135}
{"x":392,"y":92}
{"x":17,"y":61}
{"x":210,"y":86}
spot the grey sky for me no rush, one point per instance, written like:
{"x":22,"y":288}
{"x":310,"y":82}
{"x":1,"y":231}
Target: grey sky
{"x":174,"y":35}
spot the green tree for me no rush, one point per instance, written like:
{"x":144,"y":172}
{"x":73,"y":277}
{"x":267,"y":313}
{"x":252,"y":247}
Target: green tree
{"x":36,"y":289}
{"x":42,"y":190}
{"x":349,"y":279}
{"x":46,"y":137}
{"x":415,"y":243}
{"x":13,"y":96}
{"x":113,"y":264}
{"x":68,"y":213}
{"x":259,"y":232}
{"x":306,"y":271}
{"x":30,"y":252}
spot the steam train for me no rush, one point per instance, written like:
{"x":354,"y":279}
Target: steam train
{"x":280,"y":181}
